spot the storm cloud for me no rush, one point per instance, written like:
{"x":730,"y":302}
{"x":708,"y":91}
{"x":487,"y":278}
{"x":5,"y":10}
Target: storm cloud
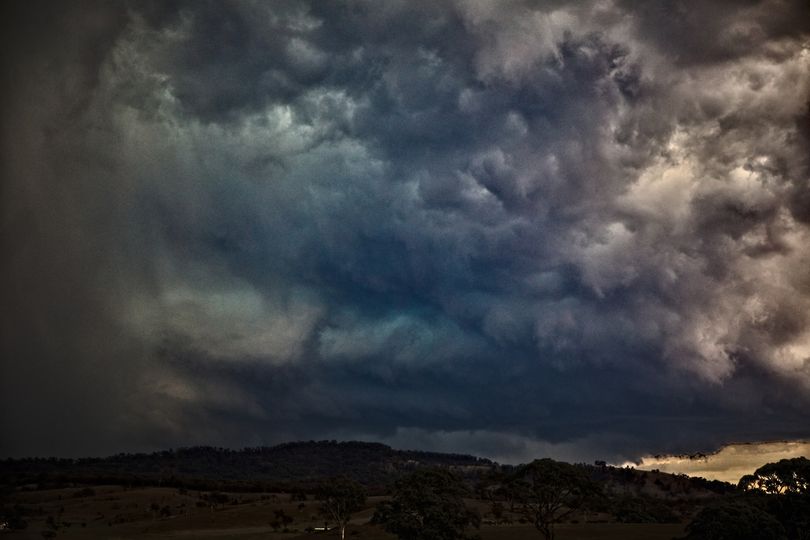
{"x":570,"y":228}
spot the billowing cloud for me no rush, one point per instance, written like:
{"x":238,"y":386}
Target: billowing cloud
{"x":571,"y":228}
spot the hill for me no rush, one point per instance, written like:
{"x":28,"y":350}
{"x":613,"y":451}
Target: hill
{"x":298,"y":466}
{"x":272,"y":492}
{"x":284,"y":467}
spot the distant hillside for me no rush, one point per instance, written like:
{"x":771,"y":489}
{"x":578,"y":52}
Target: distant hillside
{"x":300,"y":466}
{"x":656,"y":484}
{"x":284,"y":466}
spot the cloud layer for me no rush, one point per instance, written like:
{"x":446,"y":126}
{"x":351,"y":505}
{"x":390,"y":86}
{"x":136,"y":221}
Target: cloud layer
{"x":577,"y":227}
{"x":730,"y":463}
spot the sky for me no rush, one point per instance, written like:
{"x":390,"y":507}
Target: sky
{"x":729,"y":463}
{"x":577,"y":229}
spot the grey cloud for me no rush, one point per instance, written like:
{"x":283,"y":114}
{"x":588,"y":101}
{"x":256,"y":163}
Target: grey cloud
{"x":550,"y":228}
{"x":690,"y":33}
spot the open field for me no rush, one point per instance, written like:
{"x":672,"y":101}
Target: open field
{"x":598,"y":531}
{"x":113,"y":512}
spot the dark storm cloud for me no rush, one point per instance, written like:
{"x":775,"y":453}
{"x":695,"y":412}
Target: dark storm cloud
{"x":565,"y":228}
{"x":701,"y":33}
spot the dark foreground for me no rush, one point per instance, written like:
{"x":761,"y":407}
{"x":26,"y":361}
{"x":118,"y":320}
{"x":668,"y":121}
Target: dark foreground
{"x":114,"y":512}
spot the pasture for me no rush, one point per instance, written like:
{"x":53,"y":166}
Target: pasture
{"x":118,"y":513}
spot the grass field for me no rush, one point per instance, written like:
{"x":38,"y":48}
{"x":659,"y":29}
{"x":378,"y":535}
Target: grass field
{"x":112,"y":512}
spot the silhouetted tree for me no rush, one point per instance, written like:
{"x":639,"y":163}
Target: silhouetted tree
{"x":340,"y":498}
{"x":784,"y":476}
{"x":282,"y":518}
{"x":786,"y":485}
{"x":497,"y":510}
{"x":630,"y":509}
{"x":545,"y":492}
{"x":734,"y":521}
{"x":428,"y":505}
{"x":793,"y":512}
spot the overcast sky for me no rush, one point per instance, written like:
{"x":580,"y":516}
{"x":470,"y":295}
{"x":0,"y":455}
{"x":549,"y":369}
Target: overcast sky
{"x":578,"y":229}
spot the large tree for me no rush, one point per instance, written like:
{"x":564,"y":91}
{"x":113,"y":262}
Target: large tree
{"x":734,"y":521}
{"x":787,"y":476}
{"x":428,"y":505}
{"x":546,"y":492}
{"x":786,"y":484}
{"x":340,"y":498}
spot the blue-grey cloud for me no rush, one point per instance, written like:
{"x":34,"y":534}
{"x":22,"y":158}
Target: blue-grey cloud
{"x":578,"y":228}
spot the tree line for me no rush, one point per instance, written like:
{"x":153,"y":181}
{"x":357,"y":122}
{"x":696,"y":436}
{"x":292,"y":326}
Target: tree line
{"x":773,"y":503}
